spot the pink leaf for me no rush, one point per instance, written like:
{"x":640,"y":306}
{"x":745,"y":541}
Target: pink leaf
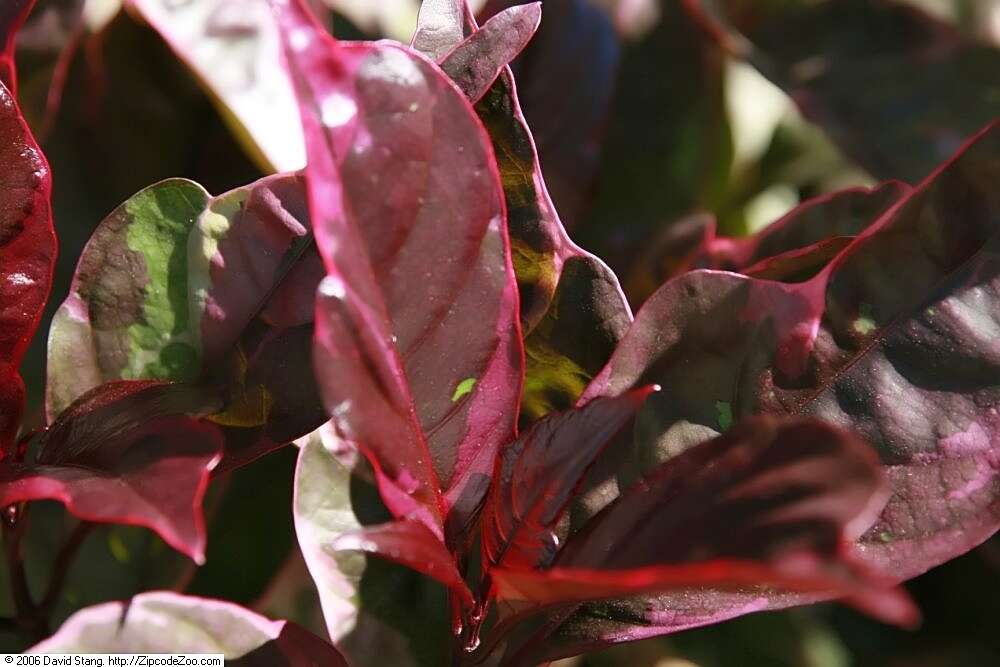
{"x":397,"y":163}
{"x":477,"y":62}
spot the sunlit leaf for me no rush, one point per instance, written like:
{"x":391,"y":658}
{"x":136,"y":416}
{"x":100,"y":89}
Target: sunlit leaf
{"x":177,"y":285}
{"x":397,"y":162}
{"x":162,"y":622}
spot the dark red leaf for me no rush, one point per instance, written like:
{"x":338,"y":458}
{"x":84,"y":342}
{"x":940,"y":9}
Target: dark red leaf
{"x":131,"y":453}
{"x":797,"y":245}
{"x":800,"y":264}
{"x":763,"y":489}
{"x":411,"y":544}
{"x":27,"y":239}
{"x":417,"y":350}
{"x":537,"y":475}
{"x":843,"y":214}
{"x":739,"y":523}
{"x":906,"y":311}
{"x":477,"y":62}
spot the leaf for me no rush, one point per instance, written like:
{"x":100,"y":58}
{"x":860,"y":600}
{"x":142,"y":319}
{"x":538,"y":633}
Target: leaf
{"x":27,"y":242}
{"x":763,"y":489}
{"x":797,"y":245}
{"x":928,"y":87}
{"x":131,"y":453}
{"x":903,"y":304}
{"x":537,"y":475}
{"x":572,"y":309}
{"x":441,"y":26}
{"x":765,"y":510}
{"x":177,"y":285}
{"x":907,"y":311}
{"x":398,"y":162}
{"x":333,"y":499}
{"x":232,"y":46}
{"x":566,"y":78}
{"x":597,"y":625}
{"x":477,"y":62}
{"x":163,"y":622}
{"x":412,"y":544}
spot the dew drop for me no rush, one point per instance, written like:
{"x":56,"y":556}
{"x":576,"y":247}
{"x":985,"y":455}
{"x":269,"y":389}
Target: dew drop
{"x":20,"y":279}
{"x":333,"y":287}
{"x":407,"y":482}
{"x":337,"y":110}
{"x":299,"y":39}
{"x":472,"y":643}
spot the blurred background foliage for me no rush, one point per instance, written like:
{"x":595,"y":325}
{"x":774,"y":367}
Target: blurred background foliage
{"x":649,"y":121}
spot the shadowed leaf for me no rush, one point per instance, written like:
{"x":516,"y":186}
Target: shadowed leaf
{"x":130,"y":453}
{"x":904,"y":311}
{"x":572,"y":309}
{"x":793,"y":248}
{"x":928,"y":87}
{"x":566,"y":78}
{"x":737,"y":523}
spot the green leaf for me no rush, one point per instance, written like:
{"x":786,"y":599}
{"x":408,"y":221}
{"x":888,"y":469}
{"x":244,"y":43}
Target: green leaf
{"x":178,"y":285}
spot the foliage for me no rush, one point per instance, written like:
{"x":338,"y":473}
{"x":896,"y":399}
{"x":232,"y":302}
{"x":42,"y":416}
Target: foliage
{"x":497,"y":462}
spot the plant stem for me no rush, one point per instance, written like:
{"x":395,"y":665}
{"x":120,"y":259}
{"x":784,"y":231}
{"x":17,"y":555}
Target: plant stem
{"x":60,"y":569}
{"x":12,"y":537}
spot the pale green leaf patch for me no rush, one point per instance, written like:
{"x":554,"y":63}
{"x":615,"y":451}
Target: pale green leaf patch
{"x":464,"y":388}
